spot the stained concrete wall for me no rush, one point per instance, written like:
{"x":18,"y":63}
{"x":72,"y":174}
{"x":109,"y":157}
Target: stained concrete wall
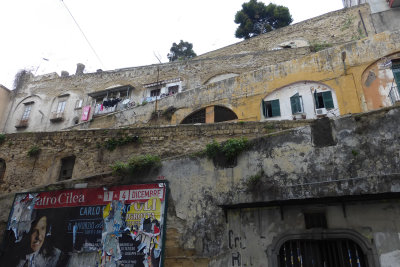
{"x":353,"y":156}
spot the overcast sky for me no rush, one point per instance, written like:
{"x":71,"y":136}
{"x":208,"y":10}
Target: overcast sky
{"x":124,"y":33}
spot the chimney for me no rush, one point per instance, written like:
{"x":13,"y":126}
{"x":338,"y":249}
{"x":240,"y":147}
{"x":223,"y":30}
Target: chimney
{"x":64,"y":73}
{"x":79,"y":69}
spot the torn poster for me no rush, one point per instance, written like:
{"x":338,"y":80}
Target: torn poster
{"x":125,"y":225}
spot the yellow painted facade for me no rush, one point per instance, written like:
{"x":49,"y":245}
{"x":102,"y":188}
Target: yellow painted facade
{"x":244,"y":95}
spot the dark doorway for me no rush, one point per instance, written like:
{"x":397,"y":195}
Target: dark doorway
{"x":67,"y":167}
{"x":2,"y":169}
{"x":321,"y":253}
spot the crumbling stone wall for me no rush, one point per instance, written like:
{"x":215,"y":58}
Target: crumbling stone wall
{"x":361,"y":158}
{"x":333,"y":28}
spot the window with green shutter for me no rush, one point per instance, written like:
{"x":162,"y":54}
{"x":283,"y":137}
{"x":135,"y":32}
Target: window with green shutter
{"x":324,"y":100}
{"x":271,"y":108}
{"x":296,"y":102}
{"x":396,"y":74}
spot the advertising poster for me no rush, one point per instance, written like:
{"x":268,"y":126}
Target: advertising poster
{"x":115,"y":226}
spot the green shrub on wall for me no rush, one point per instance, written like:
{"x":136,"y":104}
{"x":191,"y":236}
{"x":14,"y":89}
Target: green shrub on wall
{"x":225,"y":154}
{"x":2,"y":138}
{"x":137,"y":165}
{"x":113,"y":143}
{"x":34,"y":151}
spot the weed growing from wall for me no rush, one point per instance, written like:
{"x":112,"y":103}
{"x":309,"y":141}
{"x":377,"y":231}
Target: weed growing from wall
{"x":113,"y":143}
{"x":2,"y":138}
{"x":137,"y":165}
{"x":225,"y":154}
{"x":34,"y":151}
{"x":315,"y":47}
{"x":233,"y":147}
{"x":253,"y":181}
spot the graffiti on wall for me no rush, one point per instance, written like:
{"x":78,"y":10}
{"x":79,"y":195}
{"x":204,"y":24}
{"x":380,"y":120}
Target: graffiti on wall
{"x":236,"y":245}
{"x":124,"y":225}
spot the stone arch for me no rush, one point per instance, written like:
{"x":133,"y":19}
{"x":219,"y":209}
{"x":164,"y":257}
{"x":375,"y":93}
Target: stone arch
{"x":210,"y":114}
{"x":377,"y":81}
{"x":220,"y":77}
{"x":312,"y":99}
{"x":2,"y":169}
{"x":24,"y":100}
{"x":323,"y":234}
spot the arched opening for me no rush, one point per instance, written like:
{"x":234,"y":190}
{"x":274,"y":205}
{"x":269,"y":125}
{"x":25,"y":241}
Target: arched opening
{"x":2,"y":169}
{"x":341,"y":252}
{"x":322,"y":247}
{"x":223,"y":114}
{"x":67,"y":168}
{"x":300,"y":100}
{"x":210,"y":114}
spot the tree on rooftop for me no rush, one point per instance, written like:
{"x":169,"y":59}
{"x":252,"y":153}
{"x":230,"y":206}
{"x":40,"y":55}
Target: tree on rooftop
{"x":181,"y":51}
{"x":256,"y":18}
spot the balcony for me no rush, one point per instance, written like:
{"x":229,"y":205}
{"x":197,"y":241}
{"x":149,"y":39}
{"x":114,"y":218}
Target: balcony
{"x":22,"y":124}
{"x":57,"y":117}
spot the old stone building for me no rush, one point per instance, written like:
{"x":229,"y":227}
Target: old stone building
{"x":281,"y":150}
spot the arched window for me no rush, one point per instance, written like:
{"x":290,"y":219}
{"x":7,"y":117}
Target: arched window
{"x":210,"y":114}
{"x":223,"y":114}
{"x":196,"y":117}
{"x":2,"y":169}
{"x":67,"y":167}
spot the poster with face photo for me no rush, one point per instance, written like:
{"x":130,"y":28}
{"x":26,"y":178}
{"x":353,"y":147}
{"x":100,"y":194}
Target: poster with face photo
{"x":117,"y":226}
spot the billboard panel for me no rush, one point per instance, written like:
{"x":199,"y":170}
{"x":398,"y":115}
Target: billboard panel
{"x":117,"y":226}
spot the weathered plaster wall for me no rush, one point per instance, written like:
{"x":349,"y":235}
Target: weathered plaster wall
{"x":350,"y":156}
{"x":333,"y":28}
{"x":243,"y":94}
{"x":306,"y":90}
{"x":193,"y":74}
{"x":377,"y":81}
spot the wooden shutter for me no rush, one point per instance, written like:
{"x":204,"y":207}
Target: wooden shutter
{"x":328,"y":100}
{"x":295,"y":103}
{"x":396,"y":74}
{"x":264,"y":108}
{"x":275,"y":107}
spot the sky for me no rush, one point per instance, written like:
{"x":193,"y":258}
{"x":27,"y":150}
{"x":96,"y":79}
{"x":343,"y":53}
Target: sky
{"x":41,"y":36}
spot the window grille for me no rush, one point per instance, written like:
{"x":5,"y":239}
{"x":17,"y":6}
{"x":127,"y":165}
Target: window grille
{"x":321,"y":253}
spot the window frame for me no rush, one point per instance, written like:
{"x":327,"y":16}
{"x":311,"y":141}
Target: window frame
{"x":158,"y":92}
{"x":298,"y":101}
{"x":27,"y":112}
{"x":396,"y":74}
{"x":61,"y":106}
{"x":275,"y":108}
{"x":327,"y":100}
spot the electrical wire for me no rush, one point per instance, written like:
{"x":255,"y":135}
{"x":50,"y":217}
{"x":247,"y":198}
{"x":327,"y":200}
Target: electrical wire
{"x":87,"y":40}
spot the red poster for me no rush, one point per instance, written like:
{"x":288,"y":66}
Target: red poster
{"x":120,"y":226}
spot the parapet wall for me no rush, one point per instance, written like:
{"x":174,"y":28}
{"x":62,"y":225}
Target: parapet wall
{"x":333,"y":28}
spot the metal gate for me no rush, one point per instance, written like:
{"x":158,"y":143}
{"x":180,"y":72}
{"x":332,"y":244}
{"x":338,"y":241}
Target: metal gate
{"x":321,"y":253}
